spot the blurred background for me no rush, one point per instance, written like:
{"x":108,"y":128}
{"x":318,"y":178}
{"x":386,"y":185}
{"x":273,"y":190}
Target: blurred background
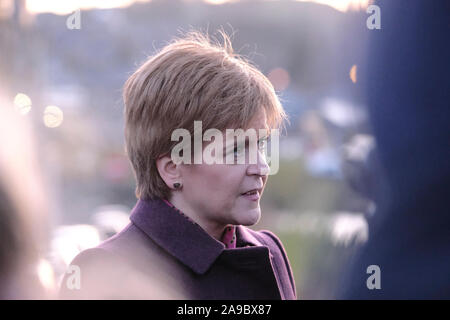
{"x":65,"y":85}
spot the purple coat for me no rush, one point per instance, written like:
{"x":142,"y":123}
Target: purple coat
{"x":162,"y":255}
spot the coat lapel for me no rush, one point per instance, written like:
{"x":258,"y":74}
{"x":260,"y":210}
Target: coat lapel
{"x":184,"y":240}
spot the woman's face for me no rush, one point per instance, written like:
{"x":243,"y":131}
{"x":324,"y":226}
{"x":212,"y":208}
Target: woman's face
{"x":214,"y":193}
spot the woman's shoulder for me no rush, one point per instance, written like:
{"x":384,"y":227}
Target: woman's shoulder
{"x":278,"y":252}
{"x":103,"y":266}
{"x":89,"y":271}
{"x":122,"y":267}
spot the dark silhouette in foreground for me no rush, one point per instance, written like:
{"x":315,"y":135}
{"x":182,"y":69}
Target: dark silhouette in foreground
{"x":409,"y":97}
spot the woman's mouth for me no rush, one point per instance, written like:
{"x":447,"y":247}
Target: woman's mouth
{"x":252,"y":195}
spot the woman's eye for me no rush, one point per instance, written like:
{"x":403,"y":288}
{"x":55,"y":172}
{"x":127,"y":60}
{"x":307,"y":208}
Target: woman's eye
{"x":262,"y":144}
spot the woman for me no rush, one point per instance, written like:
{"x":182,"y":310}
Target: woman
{"x":188,"y":236}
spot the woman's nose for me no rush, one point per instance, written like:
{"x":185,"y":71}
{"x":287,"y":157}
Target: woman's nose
{"x":260,"y":168}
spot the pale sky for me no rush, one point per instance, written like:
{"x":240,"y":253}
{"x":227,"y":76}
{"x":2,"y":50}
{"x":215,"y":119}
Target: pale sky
{"x":68,"y":6}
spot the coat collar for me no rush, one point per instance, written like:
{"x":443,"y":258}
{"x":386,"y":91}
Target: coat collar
{"x":184,"y":240}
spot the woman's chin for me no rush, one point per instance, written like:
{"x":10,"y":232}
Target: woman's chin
{"x":249,"y":217}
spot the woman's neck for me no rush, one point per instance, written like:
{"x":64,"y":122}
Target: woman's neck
{"x":213,"y":228}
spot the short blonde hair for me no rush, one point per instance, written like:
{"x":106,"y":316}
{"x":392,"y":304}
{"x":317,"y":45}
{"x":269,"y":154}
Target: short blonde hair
{"x":191,"y":78}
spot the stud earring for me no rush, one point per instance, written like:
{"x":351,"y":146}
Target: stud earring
{"x":177,"y":185}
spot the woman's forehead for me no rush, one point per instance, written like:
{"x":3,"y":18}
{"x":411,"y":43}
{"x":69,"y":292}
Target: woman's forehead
{"x":258,"y":121}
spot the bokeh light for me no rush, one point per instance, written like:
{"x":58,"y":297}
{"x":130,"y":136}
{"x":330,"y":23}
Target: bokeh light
{"x":352,"y":73}
{"x":22,"y":103}
{"x":46,"y":275}
{"x":343,"y":5}
{"x":53,"y":116}
{"x":280,"y":78}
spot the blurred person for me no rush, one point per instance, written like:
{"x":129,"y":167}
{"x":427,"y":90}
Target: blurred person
{"x":360,"y":167}
{"x":24,"y":274}
{"x":188,"y":234}
{"x":408,"y":99}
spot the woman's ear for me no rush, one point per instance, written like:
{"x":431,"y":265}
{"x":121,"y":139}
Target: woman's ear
{"x":169,"y":171}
